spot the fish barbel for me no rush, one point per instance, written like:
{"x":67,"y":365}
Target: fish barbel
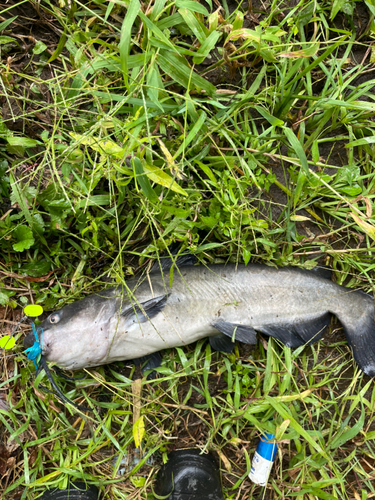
{"x":224,"y":303}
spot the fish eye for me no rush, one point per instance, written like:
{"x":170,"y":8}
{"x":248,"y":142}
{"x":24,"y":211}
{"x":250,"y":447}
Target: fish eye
{"x":54,"y":318}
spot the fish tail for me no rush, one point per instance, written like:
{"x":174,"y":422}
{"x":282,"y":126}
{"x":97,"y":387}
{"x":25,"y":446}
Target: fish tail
{"x":359,"y":327}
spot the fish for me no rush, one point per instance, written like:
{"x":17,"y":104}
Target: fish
{"x":179,"y":303}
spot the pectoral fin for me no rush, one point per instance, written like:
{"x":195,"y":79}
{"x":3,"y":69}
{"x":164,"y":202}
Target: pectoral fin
{"x":221,"y":343}
{"x":149,"y":362}
{"x":144,"y":311}
{"x":243,"y":333}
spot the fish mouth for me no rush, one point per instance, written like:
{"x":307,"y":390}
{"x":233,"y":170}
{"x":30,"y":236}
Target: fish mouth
{"x":29,"y":340}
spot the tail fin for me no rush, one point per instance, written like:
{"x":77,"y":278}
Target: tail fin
{"x":359,"y":328}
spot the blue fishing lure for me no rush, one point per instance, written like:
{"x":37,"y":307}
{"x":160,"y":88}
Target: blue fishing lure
{"x":34,"y":352}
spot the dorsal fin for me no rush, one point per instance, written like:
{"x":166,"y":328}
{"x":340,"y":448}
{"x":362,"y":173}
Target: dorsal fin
{"x":164,"y":264}
{"x":323,"y":272}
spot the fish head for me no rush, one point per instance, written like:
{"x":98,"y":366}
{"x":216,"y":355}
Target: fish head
{"x":77,"y":335}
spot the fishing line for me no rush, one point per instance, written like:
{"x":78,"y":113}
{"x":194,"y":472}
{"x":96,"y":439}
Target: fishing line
{"x":61,"y":374}
{"x":9,"y":356}
{"x":43,"y":365}
{"x":14,"y":331}
{"x":34,"y":353}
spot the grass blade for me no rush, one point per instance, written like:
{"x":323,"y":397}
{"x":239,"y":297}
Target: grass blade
{"x":126,"y":30}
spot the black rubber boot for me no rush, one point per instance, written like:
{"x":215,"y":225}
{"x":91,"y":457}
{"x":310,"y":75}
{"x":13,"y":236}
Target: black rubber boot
{"x":188,"y":475}
{"x":76,"y":491}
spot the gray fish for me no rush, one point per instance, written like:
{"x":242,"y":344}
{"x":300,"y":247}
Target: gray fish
{"x":224,"y":303}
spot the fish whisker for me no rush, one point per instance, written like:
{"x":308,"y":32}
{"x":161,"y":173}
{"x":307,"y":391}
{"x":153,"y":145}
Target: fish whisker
{"x":58,"y":393}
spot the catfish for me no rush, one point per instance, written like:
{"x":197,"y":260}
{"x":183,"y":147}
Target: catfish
{"x":222,"y":302}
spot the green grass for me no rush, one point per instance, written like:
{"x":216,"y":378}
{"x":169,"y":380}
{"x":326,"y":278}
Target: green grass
{"x":241,"y":138}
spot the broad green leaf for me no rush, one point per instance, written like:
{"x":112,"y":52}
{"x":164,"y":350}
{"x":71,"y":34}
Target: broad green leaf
{"x":103,"y":146}
{"x":370,"y":435}
{"x":322,"y":483}
{"x":237,"y":393}
{"x":207,"y":170}
{"x":192,"y":134}
{"x":301,"y":181}
{"x":275,"y":122}
{"x":160,"y":177}
{"x":98,"y":200}
{"x":317,"y":61}
{"x":299,"y":218}
{"x":364,"y":106}
{"x":206,"y":47}
{"x":36,"y":269}
{"x":113,"y":63}
{"x":39,"y":47}
{"x":246,"y":256}
{"x":318,"y":493}
{"x":280,"y":430}
{"x":343,"y":5}
{"x":20,"y":194}
{"x":199,"y":30}
{"x":24,"y":237}
{"x":176,"y":67}
{"x":371,"y":6}
{"x":207,"y":246}
{"x":156,"y":43}
{"x":153,"y":81}
{"x":305,"y":14}
{"x":104,"y":97}
{"x":157,"y":32}
{"x":26,"y":192}
{"x":157,"y":9}
{"x":193,"y":6}
{"x":5,"y":296}
{"x":269,"y":375}
{"x":285,"y":413}
{"x":7,"y":22}
{"x":142,"y":180}
{"x":24,"y":142}
{"x":309,"y":52}
{"x":7,"y":39}
{"x":354,"y":190}
{"x":108,"y":11}
{"x":169,"y":21}
{"x":368,"y":228}
{"x":256,"y":36}
{"x":297,"y":146}
{"x":361,"y":142}
{"x":184,"y":360}
{"x":238,"y":21}
{"x":138,"y":431}
{"x":342,"y":437}
{"x":58,"y":49}
{"x":138,"y":481}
